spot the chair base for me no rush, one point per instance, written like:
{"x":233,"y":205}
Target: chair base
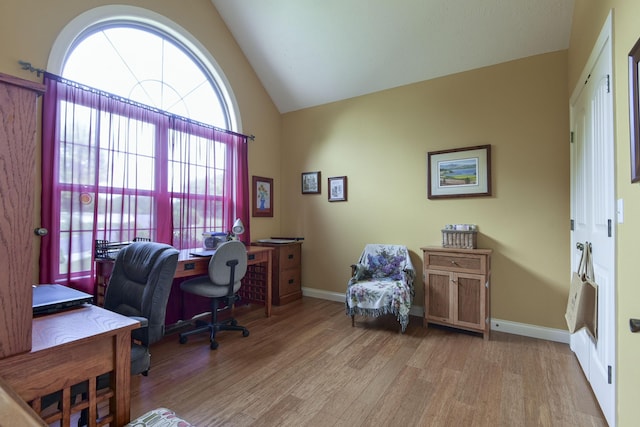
{"x":214,"y":326}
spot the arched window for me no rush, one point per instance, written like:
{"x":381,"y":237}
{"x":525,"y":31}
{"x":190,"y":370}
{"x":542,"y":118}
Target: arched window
{"x":134,"y":143}
{"x":129,"y":50}
{"x":144,"y":64}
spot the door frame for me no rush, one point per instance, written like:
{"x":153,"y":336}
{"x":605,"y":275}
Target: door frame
{"x":580,"y":338}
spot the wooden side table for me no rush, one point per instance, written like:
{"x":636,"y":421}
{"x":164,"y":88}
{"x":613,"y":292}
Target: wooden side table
{"x":457,"y":291}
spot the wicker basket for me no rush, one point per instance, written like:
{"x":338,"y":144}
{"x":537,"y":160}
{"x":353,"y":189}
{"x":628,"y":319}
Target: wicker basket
{"x":459,"y":239}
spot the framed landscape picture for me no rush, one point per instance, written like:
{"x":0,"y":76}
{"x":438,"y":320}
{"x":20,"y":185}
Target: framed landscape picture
{"x":460,"y":172}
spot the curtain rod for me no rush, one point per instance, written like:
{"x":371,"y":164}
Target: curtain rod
{"x":27,"y":66}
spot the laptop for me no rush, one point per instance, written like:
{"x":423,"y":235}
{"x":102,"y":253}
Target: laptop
{"x":54,"y":298}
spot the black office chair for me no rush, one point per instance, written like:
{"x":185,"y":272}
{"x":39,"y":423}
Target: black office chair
{"x":139,"y":287}
{"x":227,"y":267}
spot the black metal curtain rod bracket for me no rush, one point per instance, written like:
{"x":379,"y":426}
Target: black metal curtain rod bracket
{"x":27,"y":66}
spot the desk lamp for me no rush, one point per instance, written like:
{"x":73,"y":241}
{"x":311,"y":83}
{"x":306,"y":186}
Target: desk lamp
{"x":236,"y":230}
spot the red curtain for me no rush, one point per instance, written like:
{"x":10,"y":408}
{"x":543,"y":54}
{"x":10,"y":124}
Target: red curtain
{"x":116,"y":170}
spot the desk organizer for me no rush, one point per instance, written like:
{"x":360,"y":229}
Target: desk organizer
{"x":104,"y":249}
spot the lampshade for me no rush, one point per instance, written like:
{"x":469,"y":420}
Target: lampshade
{"x":238,"y":227}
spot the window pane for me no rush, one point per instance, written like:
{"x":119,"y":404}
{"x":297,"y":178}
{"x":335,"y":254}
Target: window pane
{"x":121,"y":172}
{"x":80,"y":257}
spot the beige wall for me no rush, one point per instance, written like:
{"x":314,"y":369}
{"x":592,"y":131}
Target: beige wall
{"x":29,"y":28}
{"x":588,"y":19}
{"x":380,"y":142}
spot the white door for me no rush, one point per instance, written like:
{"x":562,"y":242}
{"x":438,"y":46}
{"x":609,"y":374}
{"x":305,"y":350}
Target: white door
{"x":593,"y":215}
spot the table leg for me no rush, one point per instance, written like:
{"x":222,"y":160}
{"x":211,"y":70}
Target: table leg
{"x":121,"y":378}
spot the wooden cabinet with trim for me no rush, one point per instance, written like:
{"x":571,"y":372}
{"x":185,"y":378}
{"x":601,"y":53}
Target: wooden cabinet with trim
{"x":286,"y":271}
{"x":457,"y":291}
{"x":18,"y":148}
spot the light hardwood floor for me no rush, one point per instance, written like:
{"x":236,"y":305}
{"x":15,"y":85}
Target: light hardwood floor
{"x":306,"y":366}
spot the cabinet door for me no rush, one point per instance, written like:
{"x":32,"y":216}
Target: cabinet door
{"x":17,"y":180}
{"x":438,"y":297}
{"x":470,"y":300}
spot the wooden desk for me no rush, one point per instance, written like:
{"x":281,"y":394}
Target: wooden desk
{"x":71,"y":347}
{"x":191,"y":266}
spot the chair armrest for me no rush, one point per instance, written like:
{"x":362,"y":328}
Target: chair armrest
{"x":357,"y":271}
{"x":144,"y":322}
{"x":141,"y":333}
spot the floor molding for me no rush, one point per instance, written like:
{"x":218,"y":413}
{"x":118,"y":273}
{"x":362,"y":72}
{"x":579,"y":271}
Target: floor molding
{"x":515,"y":328}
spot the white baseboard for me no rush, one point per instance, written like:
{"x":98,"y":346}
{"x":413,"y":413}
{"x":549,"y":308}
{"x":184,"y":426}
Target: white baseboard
{"x":515,"y":328}
{"x":533,"y":331}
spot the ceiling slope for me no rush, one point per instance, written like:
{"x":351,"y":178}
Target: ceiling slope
{"x":311,"y":52}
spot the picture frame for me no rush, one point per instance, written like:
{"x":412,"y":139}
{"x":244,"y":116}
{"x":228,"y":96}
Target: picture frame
{"x":634,"y":111}
{"x":262,"y":205}
{"x":337,"y":189}
{"x":459,"y":172}
{"x":310,"y":182}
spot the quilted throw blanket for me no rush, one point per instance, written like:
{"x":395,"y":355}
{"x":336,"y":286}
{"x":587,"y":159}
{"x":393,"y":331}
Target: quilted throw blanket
{"x":382,"y":283}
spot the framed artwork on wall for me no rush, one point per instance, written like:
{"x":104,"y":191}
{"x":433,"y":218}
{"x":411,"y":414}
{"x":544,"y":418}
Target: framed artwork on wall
{"x":262,"y":196}
{"x":310,"y":182}
{"x":338,"y":189}
{"x":460,"y":172}
{"x":634,"y":111}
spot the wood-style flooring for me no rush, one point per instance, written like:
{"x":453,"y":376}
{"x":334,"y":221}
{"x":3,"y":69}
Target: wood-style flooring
{"x":306,"y":366}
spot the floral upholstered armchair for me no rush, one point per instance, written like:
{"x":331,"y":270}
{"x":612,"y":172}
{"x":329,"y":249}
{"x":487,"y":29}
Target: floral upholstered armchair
{"x":381,"y":283}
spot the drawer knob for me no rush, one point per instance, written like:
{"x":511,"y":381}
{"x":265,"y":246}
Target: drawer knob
{"x":453,"y":262}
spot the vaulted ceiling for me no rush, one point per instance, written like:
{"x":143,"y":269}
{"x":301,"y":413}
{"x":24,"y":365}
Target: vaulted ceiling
{"x":312,"y":52}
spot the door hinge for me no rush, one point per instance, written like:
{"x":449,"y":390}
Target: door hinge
{"x":572,"y":224}
{"x":608,"y":83}
{"x":609,"y":374}
{"x":609,"y":227}
{"x":571,"y":137}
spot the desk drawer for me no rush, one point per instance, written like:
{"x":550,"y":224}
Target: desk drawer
{"x":467,"y":263}
{"x":289,"y":257}
{"x":289,"y":282}
{"x":257,"y":257}
{"x":192,"y":268}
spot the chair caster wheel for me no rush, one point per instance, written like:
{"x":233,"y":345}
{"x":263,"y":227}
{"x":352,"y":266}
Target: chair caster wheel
{"x":245,"y":333}
{"x":183,"y":340}
{"x":213,"y":345}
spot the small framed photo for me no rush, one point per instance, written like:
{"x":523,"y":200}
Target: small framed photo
{"x":461,"y":172}
{"x":311,"y":183}
{"x":262,"y":196}
{"x":338,"y":189}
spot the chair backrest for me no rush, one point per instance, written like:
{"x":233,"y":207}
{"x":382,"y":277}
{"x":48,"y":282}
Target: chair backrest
{"x":385,"y":261}
{"x":219,"y":271}
{"x":140,"y":285}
